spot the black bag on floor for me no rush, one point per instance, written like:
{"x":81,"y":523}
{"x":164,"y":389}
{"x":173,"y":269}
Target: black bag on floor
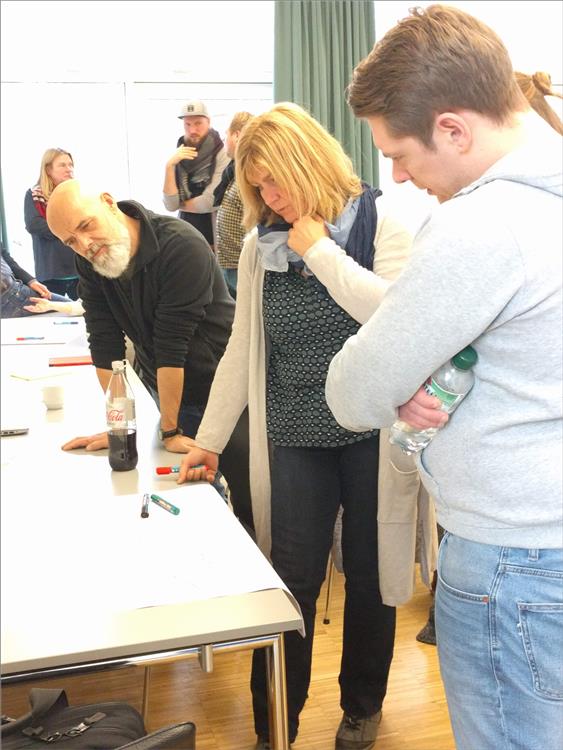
{"x":97,"y":726}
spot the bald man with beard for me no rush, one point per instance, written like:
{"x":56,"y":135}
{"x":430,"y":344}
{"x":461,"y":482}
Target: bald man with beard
{"x":154,"y":279}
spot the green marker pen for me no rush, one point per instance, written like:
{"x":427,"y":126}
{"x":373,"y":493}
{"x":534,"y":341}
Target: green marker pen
{"x":165,"y":504}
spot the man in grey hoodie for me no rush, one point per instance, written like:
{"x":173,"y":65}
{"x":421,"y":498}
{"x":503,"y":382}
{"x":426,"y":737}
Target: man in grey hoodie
{"x":439,"y":94}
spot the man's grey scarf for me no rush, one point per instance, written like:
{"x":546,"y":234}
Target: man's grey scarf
{"x":194,"y":175}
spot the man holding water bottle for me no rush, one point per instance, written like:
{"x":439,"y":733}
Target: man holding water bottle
{"x":439,"y":94}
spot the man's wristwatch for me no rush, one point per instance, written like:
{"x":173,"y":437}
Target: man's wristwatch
{"x":164,"y":434}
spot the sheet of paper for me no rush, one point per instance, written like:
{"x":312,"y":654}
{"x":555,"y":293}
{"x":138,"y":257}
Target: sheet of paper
{"x":139,"y":562}
{"x":42,"y":330}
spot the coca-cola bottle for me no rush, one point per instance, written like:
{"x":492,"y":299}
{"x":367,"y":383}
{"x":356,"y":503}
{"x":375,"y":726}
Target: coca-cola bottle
{"x":120,"y":414}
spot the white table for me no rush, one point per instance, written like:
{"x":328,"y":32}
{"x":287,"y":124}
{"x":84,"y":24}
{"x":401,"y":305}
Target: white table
{"x":80,"y":568}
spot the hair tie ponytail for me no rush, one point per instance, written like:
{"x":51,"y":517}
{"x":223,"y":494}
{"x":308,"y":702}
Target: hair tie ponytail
{"x":542,"y":81}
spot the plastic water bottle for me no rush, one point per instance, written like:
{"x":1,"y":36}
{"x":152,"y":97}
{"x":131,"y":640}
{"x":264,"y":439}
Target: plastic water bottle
{"x":120,"y":415}
{"x":450,"y":383}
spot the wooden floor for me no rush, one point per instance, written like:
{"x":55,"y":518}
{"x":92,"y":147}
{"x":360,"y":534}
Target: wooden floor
{"x":414,"y":713}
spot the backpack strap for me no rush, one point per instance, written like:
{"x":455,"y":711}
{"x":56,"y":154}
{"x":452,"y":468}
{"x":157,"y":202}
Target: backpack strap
{"x":44,"y":701}
{"x":54,"y":735}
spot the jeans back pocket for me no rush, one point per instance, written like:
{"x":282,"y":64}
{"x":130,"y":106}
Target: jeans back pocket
{"x":541,"y":626}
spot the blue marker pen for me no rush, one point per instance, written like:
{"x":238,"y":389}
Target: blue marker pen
{"x":165,"y":504}
{"x":65,"y":323}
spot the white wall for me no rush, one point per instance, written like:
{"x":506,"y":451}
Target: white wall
{"x":531,"y":31}
{"x":104,"y":80}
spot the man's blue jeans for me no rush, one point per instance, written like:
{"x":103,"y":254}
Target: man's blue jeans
{"x":499,"y":629}
{"x":308,"y":487}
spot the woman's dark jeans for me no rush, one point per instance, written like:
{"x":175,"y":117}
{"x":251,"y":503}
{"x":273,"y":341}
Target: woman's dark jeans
{"x":308,"y":487}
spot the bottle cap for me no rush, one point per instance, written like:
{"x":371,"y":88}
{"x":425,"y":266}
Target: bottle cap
{"x":118,"y":365}
{"x":465,"y":359}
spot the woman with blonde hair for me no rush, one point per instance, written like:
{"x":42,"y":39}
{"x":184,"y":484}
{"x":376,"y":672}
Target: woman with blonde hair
{"x":54,"y":261}
{"x":316,"y":264}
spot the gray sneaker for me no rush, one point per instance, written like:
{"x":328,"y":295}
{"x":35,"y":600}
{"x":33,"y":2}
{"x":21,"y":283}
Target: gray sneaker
{"x":355,"y":733}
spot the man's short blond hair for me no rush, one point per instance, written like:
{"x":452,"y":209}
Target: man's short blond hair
{"x":240,"y":119}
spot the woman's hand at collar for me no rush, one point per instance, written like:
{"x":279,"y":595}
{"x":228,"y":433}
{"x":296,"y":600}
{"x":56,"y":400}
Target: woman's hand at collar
{"x":305,"y":232}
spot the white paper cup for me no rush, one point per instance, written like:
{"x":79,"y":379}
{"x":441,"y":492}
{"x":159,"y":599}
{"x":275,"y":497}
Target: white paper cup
{"x":53,"y":396}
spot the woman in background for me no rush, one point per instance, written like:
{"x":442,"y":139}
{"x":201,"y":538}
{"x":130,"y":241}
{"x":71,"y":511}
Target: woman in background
{"x":54,"y":261}
{"x":319,"y":262}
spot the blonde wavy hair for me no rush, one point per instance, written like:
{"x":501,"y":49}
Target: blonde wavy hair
{"x":302,"y":158}
{"x":44,"y":181}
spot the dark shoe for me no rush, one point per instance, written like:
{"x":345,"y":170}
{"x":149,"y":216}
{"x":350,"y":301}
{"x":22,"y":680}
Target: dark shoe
{"x":355,"y":733}
{"x":428,"y":632}
{"x":263,"y":744}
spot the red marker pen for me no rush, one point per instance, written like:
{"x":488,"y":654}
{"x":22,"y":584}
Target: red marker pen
{"x":175,"y":469}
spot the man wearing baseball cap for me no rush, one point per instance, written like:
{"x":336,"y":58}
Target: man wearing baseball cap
{"x":194,"y":170}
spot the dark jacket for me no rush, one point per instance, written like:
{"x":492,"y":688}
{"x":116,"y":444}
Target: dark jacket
{"x":12,"y":270}
{"x":176,"y":308}
{"x":53,"y":259}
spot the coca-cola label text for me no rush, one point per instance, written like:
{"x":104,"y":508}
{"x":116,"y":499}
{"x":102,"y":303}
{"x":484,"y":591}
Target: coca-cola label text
{"x":119,"y":412}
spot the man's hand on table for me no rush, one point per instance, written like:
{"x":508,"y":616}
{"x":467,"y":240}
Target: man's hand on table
{"x":90,"y":442}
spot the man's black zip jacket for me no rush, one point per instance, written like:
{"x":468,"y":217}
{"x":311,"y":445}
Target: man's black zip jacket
{"x":172,"y":303}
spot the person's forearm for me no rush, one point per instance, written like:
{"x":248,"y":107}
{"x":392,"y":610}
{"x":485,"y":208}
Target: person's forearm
{"x":17,"y":270}
{"x":356,"y":289}
{"x":170,"y":384}
{"x":170,"y":187}
{"x":104,"y":377}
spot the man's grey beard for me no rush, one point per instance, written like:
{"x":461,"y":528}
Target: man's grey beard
{"x":116,"y":259}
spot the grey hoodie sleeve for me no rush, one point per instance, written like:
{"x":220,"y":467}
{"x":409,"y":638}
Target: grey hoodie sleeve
{"x":451,"y":291}
{"x":171,"y":202}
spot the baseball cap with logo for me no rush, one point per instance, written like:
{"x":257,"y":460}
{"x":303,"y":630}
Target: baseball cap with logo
{"x":193,"y":108}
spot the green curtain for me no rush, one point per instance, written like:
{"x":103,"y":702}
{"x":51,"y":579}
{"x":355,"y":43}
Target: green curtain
{"x":317,"y":45}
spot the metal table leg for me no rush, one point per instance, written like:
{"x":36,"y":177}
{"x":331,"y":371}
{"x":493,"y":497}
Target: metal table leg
{"x":277,"y":695}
